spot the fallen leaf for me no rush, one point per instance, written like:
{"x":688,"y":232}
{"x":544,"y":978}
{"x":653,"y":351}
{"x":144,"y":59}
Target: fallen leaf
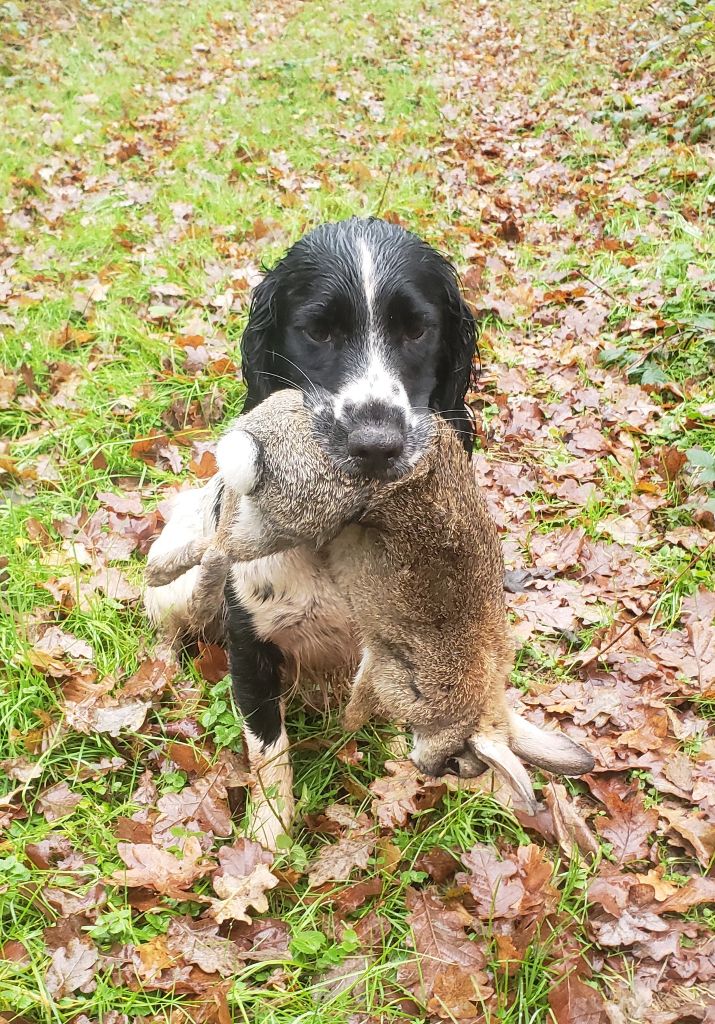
{"x":448,"y":970}
{"x":168,"y":873}
{"x":58,"y":801}
{"x":336,"y":861}
{"x":68,"y":903}
{"x":238,"y":893}
{"x":628,"y":824}
{"x":88,"y":717}
{"x":56,"y":642}
{"x":113,"y":584}
{"x":439,"y":864}
{"x":693,"y":827}
{"x":198,"y":942}
{"x":72,"y":968}
{"x":570,"y":827}
{"x":205,"y":802}
{"x":353,"y":896}
{"x":572,"y":1001}
{"x":402,"y":794}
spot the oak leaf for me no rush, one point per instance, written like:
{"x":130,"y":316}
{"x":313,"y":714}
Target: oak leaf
{"x":238,"y":893}
{"x":198,"y":942}
{"x":72,"y":969}
{"x":167,"y":873}
{"x":448,"y":971}
{"x":336,"y":861}
{"x":628,"y":824}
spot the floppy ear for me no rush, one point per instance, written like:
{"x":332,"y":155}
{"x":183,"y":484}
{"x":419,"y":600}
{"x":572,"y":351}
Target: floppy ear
{"x":459,"y":341}
{"x":499,"y":757}
{"x":553,"y":751}
{"x":550,"y":750}
{"x":258,"y":341}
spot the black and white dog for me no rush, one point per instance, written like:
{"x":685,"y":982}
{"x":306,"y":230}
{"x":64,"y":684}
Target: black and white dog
{"x":368,"y":319}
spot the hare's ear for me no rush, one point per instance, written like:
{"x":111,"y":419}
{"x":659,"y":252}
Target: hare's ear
{"x":498,"y":756}
{"x":550,"y":750}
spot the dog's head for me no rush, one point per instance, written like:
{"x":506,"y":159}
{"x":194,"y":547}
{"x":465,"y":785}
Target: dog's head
{"x":368,"y":320}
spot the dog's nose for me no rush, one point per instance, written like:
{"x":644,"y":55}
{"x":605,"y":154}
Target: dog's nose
{"x":376,"y":444}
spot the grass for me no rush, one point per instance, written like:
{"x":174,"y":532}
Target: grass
{"x":190,"y":143}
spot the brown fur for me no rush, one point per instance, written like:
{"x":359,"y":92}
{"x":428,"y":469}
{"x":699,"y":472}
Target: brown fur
{"x":420,"y":563}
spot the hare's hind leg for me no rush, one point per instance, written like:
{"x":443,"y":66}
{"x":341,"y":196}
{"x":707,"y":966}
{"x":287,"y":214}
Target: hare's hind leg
{"x":207,"y":597}
{"x":363,"y":704}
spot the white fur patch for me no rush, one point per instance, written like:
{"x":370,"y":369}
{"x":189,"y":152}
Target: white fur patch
{"x":367,"y":272}
{"x":238,"y":459}
{"x":273,"y":805}
{"x":190,"y":519}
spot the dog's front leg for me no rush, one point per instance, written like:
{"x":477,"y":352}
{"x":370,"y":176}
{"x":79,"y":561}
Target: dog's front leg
{"x":257,"y":679}
{"x":272,"y":802}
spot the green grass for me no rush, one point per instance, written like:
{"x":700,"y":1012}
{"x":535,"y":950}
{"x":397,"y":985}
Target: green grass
{"x":263,"y":123}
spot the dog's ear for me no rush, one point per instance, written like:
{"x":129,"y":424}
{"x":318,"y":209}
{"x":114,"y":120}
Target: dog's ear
{"x":459,"y":341}
{"x":258,"y":342}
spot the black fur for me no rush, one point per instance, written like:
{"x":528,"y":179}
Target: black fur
{"x":255,"y":672}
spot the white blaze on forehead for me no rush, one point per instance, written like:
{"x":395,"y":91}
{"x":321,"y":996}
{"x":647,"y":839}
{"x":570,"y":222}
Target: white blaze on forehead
{"x":367,"y":271}
{"x":375,"y":380}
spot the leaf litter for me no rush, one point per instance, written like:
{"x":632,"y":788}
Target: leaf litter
{"x":566,"y":424}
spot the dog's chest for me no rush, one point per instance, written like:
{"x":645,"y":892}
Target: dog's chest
{"x":294,"y":602}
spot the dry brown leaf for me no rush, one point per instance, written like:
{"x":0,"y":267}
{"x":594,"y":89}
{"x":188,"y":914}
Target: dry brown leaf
{"x":57,"y":802}
{"x":157,"y":869}
{"x":113,"y":584}
{"x":72,"y":969}
{"x":354,"y":896}
{"x":238,"y":893}
{"x":694,"y":827}
{"x":68,"y":903}
{"x":572,"y":1001}
{"x":570,"y":828}
{"x":205,"y":802}
{"x":336,"y":861}
{"x":448,"y":971}
{"x":402,"y":794}
{"x":198,"y":942}
{"x":88,"y":717}
{"x":628,"y":824}
{"x":150,"y":680}
{"x":55,"y":642}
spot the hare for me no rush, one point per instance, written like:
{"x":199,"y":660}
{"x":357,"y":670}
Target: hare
{"x":416,"y":562}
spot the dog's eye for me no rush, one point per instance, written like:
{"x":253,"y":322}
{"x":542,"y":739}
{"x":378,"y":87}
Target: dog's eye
{"x":319,"y":332}
{"x":414,"y":328}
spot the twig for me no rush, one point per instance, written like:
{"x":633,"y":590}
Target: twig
{"x":595,"y":284}
{"x":631,"y":625}
{"x":378,"y":211}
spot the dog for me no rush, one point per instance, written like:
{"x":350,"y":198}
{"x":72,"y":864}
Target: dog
{"x":419,"y":564}
{"x":370,"y":318}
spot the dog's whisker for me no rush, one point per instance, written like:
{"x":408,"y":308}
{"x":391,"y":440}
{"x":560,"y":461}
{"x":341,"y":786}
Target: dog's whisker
{"x":282,"y":355}
{"x":285,"y":380}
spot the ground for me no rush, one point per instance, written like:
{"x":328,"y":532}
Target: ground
{"x":152,"y":157}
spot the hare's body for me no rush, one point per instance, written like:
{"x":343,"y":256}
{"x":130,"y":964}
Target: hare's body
{"x":423,"y":573}
{"x":408,"y":573}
